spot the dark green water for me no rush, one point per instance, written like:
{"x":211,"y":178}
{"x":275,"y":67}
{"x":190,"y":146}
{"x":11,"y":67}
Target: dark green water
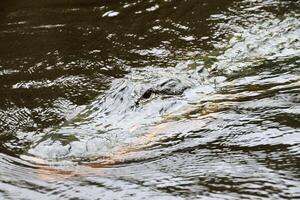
{"x":174,"y":99}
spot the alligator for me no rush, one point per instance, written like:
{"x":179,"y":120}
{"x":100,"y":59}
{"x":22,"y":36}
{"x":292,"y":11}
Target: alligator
{"x":119,"y":119}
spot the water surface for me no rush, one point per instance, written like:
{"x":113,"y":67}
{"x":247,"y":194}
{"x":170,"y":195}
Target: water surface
{"x":77,"y":120}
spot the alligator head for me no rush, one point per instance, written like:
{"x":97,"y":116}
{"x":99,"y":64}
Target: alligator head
{"x":119,"y":117}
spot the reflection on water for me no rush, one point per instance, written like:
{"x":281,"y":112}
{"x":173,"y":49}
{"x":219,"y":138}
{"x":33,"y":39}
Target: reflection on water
{"x":147,"y":100}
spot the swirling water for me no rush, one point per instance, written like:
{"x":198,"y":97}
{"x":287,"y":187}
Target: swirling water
{"x":173,"y":99}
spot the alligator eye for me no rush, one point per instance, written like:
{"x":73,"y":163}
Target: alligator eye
{"x":147,"y":94}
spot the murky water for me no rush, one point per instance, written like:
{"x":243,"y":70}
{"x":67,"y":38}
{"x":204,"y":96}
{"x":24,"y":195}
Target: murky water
{"x":194,"y":99}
